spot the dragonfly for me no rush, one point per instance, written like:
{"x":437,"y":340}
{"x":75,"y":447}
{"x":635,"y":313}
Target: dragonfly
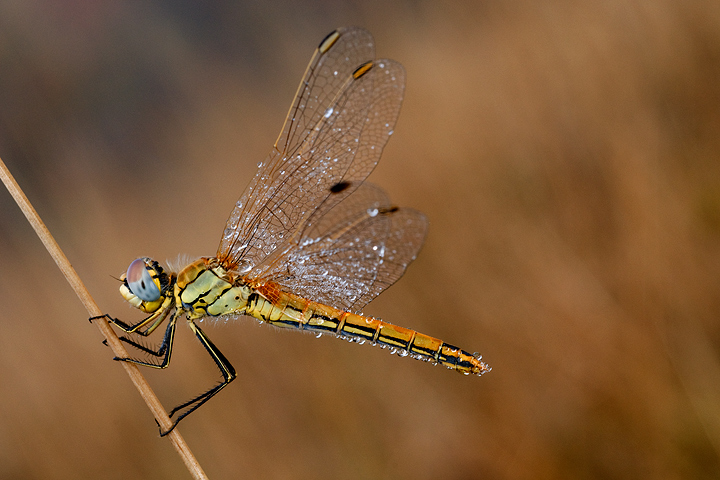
{"x":310,"y":242}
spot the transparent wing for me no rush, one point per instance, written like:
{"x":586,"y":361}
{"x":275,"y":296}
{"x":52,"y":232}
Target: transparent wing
{"x":337,"y":127}
{"x":354,"y":252}
{"x":335,"y":59}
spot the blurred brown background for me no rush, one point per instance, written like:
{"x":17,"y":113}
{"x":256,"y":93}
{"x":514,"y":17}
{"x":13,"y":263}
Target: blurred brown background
{"x":565,"y":153}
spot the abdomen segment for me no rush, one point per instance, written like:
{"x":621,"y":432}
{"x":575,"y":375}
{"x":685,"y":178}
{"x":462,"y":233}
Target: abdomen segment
{"x":290,"y":311}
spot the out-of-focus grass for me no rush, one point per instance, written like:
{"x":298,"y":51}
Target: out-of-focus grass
{"x":566,"y":155}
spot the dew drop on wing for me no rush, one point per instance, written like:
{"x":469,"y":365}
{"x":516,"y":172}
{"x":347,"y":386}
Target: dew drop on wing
{"x":244,"y":267}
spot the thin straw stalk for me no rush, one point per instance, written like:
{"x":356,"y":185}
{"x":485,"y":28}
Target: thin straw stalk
{"x":93,"y":310}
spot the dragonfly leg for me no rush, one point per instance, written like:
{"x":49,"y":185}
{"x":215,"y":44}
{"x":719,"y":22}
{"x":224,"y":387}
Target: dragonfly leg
{"x":163,"y":351}
{"x":155,"y":319}
{"x":227,"y":370}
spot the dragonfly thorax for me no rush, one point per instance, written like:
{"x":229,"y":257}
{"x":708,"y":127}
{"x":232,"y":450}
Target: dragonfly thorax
{"x":205,"y":288}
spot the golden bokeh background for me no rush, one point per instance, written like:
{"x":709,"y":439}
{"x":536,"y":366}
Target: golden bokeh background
{"x":566,"y":154}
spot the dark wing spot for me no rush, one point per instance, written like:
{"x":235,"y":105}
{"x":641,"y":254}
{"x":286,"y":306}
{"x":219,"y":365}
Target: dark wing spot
{"x":388,"y":211}
{"x":328,"y":41}
{"x":362,"y":70}
{"x":339,"y":187}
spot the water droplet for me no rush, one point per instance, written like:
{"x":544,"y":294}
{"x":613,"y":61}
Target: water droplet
{"x":372,"y":212}
{"x":318,"y":335}
{"x":329,"y":112}
{"x":244,"y":267}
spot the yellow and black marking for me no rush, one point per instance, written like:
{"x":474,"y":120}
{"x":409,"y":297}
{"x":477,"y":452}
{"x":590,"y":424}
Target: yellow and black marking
{"x":362,"y":70}
{"x":328,"y":41}
{"x":203,"y":288}
{"x":290,"y":311}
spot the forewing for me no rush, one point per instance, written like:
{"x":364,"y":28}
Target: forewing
{"x":354,"y":252}
{"x":335,"y":59}
{"x":333,"y":137}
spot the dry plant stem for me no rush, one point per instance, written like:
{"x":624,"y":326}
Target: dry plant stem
{"x":117,"y":347}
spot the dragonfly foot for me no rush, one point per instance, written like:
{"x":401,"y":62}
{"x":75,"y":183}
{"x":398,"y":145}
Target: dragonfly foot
{"x":162,"y":434}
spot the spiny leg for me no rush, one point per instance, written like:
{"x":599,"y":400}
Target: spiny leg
{"x":156,"y":319}
{"x":227,"y":370}
{"x":164,"y":351}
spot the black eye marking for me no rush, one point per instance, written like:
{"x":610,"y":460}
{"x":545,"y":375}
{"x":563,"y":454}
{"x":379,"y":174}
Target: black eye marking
{"x":339,"y":187}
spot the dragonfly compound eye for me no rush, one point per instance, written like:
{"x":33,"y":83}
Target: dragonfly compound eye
{"x":141,"y":283}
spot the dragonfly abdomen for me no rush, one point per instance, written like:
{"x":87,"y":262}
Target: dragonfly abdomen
{"x":290,"y":311}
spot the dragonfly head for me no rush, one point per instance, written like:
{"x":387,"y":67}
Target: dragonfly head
{"x":145,"y":285}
